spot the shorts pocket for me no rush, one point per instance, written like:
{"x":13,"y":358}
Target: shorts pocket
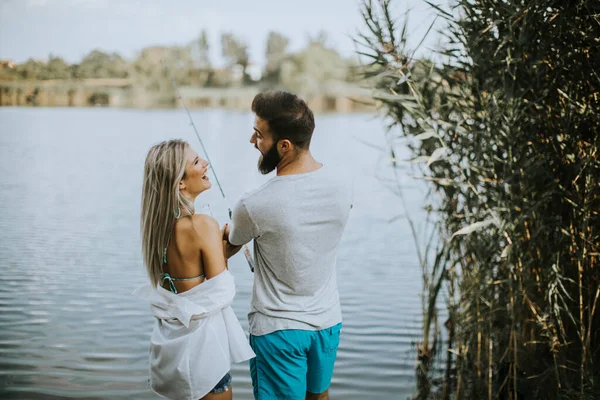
{"x":332,"y":339}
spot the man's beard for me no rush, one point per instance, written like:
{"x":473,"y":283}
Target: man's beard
{"x":269,"y":161}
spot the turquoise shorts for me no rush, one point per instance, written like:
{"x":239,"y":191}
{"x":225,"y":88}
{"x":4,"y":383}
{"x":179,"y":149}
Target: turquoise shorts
{"x":291,"y":362}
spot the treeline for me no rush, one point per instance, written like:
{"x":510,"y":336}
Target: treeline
{"x":191,"y":65}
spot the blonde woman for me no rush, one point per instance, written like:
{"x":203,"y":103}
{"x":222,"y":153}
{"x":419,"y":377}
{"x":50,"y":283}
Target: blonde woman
{"x":196,"y":336}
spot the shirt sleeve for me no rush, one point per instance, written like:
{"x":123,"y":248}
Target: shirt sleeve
{"x":242,"y":229}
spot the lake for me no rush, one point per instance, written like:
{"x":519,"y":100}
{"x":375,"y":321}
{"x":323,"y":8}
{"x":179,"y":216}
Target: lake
{"x":70,"y":253}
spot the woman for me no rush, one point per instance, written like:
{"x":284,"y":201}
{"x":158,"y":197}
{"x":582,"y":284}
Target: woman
{"x":196,"y":336}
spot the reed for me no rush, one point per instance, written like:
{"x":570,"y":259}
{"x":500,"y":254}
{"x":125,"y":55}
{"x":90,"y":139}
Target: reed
{"x":505,"y":126}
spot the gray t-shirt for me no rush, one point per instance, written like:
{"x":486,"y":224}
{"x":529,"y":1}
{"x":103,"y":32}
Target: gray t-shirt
{"x":296,"y":222}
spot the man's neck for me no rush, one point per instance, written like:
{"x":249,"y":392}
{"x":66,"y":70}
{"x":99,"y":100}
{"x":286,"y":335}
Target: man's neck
{"x":301,"y":164}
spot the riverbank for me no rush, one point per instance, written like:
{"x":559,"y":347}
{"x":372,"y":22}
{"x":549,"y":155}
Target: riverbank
{"x":125,"y":93}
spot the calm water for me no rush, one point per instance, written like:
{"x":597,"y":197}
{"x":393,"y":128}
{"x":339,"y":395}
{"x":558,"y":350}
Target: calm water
{"x":69,"y":250}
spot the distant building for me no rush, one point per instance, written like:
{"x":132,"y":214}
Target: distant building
{"x":7,"y":64}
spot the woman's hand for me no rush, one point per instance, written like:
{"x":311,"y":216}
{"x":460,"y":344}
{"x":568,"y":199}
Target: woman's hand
{"x":228,"y":249}
{"x":225,"y":232}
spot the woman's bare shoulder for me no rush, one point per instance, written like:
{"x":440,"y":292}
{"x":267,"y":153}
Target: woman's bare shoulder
{"x":205,"y":222}
{"x":197,"y":226}
{"x":200,"y":227}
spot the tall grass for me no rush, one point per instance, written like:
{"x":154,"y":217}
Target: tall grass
{"x":505,"y":125}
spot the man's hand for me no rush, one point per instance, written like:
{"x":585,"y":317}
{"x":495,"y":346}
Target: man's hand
{"x":229,"y":249}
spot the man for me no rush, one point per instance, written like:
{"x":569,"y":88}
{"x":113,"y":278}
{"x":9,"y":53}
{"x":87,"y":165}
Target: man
{"x":296,"y":220}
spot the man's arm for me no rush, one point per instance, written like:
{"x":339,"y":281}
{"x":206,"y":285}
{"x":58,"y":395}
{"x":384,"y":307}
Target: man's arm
{"x":242,"y":227}
{"x":241,"y":230}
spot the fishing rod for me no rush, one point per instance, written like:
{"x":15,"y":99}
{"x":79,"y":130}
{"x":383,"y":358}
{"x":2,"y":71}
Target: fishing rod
{"x":214,"y":172}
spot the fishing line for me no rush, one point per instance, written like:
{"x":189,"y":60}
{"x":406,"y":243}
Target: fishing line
{"x":214,"y":172}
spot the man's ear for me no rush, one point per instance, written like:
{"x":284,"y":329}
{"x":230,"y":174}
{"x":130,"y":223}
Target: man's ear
{"x":285,"y":145}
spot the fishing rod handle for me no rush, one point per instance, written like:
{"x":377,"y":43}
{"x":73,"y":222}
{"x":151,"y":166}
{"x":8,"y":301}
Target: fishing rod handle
{"x":248,"y":255}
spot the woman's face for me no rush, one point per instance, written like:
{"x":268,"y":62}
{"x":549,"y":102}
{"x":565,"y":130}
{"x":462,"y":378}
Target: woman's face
{"x":195,"y":180}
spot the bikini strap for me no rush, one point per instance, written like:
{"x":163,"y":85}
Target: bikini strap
{"x":168,"y":278}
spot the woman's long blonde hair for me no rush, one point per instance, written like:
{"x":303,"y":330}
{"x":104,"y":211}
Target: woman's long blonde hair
{"x":162,"y":202}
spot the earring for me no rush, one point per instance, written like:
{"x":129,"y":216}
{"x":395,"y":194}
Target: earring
{"x":178,"y":213}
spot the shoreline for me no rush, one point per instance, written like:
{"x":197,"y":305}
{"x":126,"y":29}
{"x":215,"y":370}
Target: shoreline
{"x":367,"y":111}
{"x":123,"y":93}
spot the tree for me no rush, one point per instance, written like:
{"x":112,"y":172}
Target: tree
{"x":201,"y":71}
{"x":31,"y":69}
{"x":199,"y":49}
{"x":98,"y":64}
{"x":235,"y":51}
{"x":150,"y":74}
{"x":275,"y":55}
{"x":56,"y":68}
{"x":307,"y":71}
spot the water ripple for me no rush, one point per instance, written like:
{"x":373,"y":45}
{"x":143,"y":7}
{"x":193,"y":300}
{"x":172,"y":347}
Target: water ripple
{"x":69,"y":242}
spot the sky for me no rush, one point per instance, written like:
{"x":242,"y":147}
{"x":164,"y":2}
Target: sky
{"x":72,"y":28}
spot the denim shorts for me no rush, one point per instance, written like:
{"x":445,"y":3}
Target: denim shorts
{"x":223,"y":385}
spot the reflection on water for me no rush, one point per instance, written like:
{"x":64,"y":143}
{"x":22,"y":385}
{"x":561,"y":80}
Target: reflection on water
{"x":70,"y":258}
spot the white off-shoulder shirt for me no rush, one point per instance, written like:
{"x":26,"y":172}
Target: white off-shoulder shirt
{"x":196,"y":337}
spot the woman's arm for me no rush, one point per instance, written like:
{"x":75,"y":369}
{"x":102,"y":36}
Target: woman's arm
{"x":229,"y":249}
{"x":211,"y":245}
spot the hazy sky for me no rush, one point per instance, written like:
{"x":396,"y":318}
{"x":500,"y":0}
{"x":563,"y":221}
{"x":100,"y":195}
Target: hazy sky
{"x":72,"y":28}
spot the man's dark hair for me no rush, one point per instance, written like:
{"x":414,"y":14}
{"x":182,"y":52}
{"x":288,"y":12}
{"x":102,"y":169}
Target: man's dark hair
{"x":288,"y":116}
